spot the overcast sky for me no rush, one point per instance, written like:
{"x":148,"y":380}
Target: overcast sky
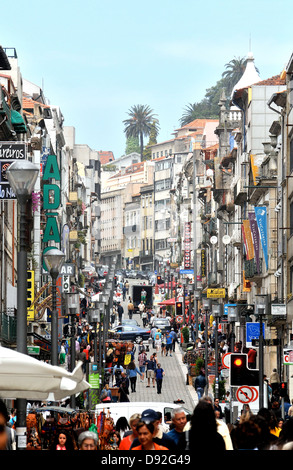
{"x":96,"y":59}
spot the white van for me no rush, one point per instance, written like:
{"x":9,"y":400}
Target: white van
{"x":127,"y":409}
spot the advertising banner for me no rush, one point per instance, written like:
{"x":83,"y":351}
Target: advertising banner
{"x":248,"y":239}
{"x":261,"y":218}
{"x":255,"y":237}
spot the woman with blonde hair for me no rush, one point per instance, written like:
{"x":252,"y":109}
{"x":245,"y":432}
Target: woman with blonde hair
{"x":126,"y":442}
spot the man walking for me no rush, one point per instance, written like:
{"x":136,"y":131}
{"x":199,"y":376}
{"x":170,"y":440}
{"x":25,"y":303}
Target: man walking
{"x":199,"y":384}
{"x":130,"y":308}
{"x":120,"y":312}
{"x":159,"y":374}
{"x":151,"y":365}
{"x":169,"y":343}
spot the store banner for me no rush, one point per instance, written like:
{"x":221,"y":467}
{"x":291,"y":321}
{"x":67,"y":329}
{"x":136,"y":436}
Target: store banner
{"x":261,"y":219}
{"x":249,"y":240}
{"x":255,"y":237}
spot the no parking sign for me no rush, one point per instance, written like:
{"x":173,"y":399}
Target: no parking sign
{"x":246,"y":394}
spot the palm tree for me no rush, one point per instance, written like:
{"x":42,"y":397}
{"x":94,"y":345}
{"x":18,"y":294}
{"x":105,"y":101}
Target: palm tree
{"x":140,"y":123}
{"x":234,"y":71}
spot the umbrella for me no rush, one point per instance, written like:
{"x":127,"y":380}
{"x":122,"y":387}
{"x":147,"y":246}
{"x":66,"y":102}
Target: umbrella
{"x":22,"y":376}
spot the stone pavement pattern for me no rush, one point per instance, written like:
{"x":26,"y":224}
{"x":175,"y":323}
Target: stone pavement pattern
{"x":174,"y":382}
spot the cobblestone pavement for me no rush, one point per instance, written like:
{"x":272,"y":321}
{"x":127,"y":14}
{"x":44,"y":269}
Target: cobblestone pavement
{"x":174,"y":382}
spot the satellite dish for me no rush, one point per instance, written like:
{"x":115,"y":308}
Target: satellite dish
{"x":226,"y":239}
{"x":213,"y":240}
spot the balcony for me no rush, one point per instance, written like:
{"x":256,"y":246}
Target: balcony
{"x":250,"y":269}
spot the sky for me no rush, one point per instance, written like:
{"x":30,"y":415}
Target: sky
{"x":97,"y":59}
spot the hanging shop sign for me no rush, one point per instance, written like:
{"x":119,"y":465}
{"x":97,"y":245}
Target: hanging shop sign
{"x":216,"y":293}
{"x":203,"y":263}
{"x":9,"y":153}
{"x":187,"y":245}
{"x":52,"y":198}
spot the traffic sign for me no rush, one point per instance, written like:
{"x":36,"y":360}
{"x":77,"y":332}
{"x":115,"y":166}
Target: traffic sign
{"x":226,"y":360}
{"x":246,"y":394}
{"x":226,"y":308}
{"x":186,"y":271}
{"x":179,"y":319}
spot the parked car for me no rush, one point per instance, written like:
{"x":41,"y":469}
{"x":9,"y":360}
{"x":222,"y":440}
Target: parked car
{"x":131,"y":274}
{"x":130,"y":321}
{"x":142,"y":275}
{"x":163,"y":324}
{"x":130,"y":333}
{"x":103,"y":271}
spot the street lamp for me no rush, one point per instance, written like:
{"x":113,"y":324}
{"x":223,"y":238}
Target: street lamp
{"x":22,"y":175}
{"x":94,"y":319}
{"x":196,"y":299}
{"x":261,"y":311}
{"x":73,"y":307}
{"x":207,"y":307}
{"x":232,"y":318}
{"x":217,"y":310}
{"x":54,"y":259}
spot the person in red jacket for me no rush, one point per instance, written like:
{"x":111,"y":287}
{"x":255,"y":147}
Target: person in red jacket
{"x":251,"y":358}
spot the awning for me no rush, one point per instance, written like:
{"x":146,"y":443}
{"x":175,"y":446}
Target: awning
{"x":171,"y":302}
{"x":18,"y":122}
{"x":22,"y":376}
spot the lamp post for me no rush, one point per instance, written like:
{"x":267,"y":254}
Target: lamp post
{"x":217,"y":313}
{"x":232,"y":318}
{"x":196,"y":299}
{"x":73,"y":307}
{"x":54,"y":259}
{"x":94,"y":318}
{"x":206,"y":307}
{"x":22,"y":175}
{"x":184,"y":284}
{"x":261,"y":311}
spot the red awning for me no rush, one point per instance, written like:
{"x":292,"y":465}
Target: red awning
{"x":171,"y":302}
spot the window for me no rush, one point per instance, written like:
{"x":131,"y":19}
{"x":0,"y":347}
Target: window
{"x":163,"y":185}
{"x":161,"y":244}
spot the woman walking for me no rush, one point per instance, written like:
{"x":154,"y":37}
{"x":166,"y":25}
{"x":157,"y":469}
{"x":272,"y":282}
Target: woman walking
{"x":132,"y":372}
{"x":142,"y":357}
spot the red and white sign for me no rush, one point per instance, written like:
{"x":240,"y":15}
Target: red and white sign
{"x":226,"y":360}
{"x":179,"y":319}
{"x":187,"y":245}
{"x":246,"y":394}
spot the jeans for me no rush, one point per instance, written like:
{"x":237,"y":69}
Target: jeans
{"x":199,"y":391}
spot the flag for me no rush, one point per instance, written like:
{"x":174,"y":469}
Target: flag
{"x":261,"y":218}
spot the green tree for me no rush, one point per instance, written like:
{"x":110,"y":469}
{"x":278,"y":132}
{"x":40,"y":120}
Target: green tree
{"x":139,"y":123}
{"x":208,"y":108}
{"x":147,"y":152}
{"x":132,"y":145}
{"x":234,"y":71}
